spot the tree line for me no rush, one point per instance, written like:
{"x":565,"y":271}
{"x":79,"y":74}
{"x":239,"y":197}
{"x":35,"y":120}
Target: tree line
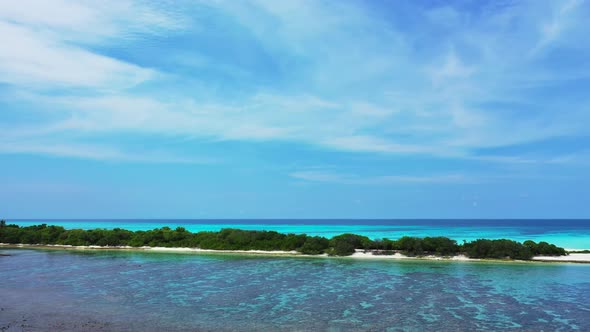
{"x":237,"y":239}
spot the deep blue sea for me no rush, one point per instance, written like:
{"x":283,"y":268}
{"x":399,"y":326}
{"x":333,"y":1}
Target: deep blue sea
{"x":69,"y":290}
{"x":567,"y":233}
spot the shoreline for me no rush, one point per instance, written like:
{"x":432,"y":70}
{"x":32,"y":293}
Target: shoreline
{"x":359,"y":254}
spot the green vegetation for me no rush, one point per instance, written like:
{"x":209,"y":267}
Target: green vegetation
{"x":236,"y":239}
{"x":497,"y":249}
{"x":586,"y":251}
{"x":440,"y":246}
{"x":345,"y":244}
{"x":544,"y":249}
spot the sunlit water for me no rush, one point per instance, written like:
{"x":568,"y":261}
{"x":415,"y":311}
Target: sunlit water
{"x":571,"y":234}
{"x":119,"y":290}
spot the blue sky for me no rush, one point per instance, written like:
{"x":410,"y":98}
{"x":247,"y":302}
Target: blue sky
{"x":294,"y":109}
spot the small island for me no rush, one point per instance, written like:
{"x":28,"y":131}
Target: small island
{"x":230,"y":239}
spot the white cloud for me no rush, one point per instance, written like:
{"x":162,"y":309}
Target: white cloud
{"x":314,"y":121}
{"x":96,"y":152}
{"x":332,"y":177}
{"x":452,"y":68}
{"x":365,"y":143}
{"x":551,"y":29}
{"x":46,"y":43}
{"x":70,"y":15}
{"x":36,"y":60}
{"x":91,"y":21}
{"x":355,"y":82}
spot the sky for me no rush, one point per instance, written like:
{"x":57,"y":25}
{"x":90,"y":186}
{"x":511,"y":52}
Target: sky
{"x":294,"y":109}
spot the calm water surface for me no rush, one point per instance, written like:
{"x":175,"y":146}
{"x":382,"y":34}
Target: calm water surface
{"x":117,"y":290}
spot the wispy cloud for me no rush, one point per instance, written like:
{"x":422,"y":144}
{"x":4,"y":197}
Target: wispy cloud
{"x":51,"y":43}
{"x":36,"y":60}
{"x":559,"y":20}
{"x":343,"y":76}
{"x":334,"y":177}
{"x":97,"y":152}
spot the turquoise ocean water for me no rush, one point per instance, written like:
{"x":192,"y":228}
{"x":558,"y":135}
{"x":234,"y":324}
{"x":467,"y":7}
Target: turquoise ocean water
{"x":60,"y":290}
{"x":571,"y":234}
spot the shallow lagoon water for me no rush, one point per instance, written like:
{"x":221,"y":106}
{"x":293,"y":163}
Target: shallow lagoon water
{"x":126,"y":290}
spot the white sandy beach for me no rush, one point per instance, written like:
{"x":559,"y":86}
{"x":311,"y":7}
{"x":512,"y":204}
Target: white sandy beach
{"x":580,"y":258}
{"x":259,"y":252}
{"x":359,"y":254}
{"x":157,"y":249}
{"x":573,"y":258}
{"x":369,"y":255}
